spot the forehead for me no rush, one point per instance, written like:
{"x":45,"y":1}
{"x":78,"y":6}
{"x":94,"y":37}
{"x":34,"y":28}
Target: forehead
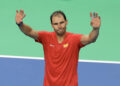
{"x":58,"y":18}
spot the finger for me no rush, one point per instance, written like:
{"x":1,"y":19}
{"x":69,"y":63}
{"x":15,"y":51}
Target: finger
{"x":21,"y":12}
{"x":96,"y":14}
{"x":24,"y":15}
{"x":17,"y":11}
{"x":90,"y":14}
{"x":99,"y":17}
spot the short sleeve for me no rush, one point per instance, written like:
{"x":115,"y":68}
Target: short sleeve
{"x":78,"y":38}
{"x":42,"y":36}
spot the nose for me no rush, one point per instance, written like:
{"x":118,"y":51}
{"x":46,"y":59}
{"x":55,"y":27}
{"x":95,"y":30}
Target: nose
{"x":59,"y":26}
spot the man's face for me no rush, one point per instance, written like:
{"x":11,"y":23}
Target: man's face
{"x":59,"y":24}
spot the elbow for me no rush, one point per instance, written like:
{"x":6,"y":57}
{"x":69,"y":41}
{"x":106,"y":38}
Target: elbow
{"x":93,"y":41}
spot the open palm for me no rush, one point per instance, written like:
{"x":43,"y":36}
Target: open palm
{"x":19,"y":16}
{"x":96,"y":20}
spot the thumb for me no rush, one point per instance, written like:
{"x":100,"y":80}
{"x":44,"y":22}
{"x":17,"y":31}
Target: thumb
{"x":24,"y":15}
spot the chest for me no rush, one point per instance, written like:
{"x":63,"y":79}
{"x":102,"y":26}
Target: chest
{"x":67,"y":46}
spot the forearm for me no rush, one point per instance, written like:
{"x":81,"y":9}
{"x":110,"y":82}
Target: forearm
{"x":25,"y":29}
{"x":93,"y":34}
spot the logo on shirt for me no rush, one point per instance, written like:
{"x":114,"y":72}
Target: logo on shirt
{"x":65,"y":45}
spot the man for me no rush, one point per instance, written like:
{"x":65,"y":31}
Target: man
{"x":61,"y":48}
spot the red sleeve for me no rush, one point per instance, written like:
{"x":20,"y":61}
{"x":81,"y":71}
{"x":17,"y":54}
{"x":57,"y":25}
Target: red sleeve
{"x":42,"y":36}
{"x":79,"y":36}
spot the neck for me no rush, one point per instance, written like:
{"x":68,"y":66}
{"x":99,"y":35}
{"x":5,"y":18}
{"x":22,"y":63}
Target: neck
{"x":60,"y":38}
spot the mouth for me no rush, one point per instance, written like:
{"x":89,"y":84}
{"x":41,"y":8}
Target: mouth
{"x":60,"y":29}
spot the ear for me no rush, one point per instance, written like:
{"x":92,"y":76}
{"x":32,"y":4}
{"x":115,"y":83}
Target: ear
{"x":66,"y":22}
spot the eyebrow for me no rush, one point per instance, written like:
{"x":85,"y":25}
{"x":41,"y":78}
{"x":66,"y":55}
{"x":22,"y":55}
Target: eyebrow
{"x":60,"y":22}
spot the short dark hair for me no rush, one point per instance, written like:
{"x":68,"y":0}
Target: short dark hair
{"x":57,"y":13}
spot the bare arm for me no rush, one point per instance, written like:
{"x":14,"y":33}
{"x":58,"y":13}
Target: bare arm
{"x":95,"y":23}
{"x":27,"y":30}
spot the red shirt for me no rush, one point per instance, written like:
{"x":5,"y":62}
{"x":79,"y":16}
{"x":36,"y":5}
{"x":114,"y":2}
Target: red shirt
{"x":61,"y":59}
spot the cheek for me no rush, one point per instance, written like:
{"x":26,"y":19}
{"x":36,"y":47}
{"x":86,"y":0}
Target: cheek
{"x":64,"y":25}
{"x":55,"y":27}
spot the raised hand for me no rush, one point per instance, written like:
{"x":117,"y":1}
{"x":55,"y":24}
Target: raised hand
{"x":19,"y":16}
{"x":96,"y":20}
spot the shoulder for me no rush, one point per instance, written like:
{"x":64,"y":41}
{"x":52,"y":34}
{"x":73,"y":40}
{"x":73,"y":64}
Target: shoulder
{"x":43,"y":32}
{"x":74,"y":35}
{"x":43,"y":36}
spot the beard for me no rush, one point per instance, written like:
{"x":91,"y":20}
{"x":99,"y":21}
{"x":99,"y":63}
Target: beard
{"x":60,"y":31}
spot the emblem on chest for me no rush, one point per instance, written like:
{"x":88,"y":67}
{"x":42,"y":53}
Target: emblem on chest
{"x":66,"y":45}
{"x":63,"y":45}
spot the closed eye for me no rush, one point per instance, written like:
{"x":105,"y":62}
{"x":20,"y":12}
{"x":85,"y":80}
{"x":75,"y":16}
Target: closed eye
{"x":55,"y":23}
{"x":62,"y":22}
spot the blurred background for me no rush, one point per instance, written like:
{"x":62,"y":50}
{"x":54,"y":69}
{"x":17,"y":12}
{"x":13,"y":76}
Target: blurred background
{"x":14,"y":42}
